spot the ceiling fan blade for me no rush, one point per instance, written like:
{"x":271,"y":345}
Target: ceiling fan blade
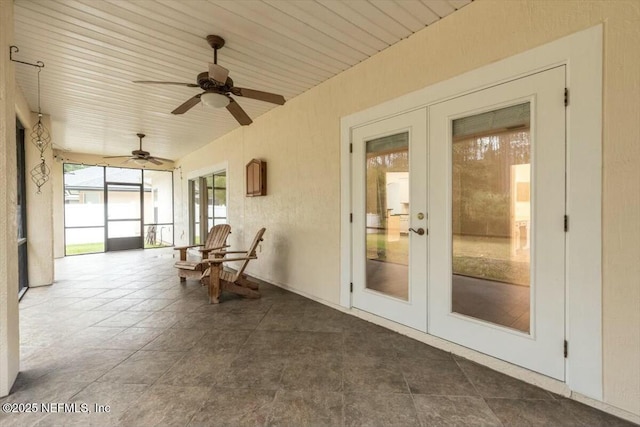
{"x":116,"y":157}
{"x":218,"y":73}
{"x":154,"y":160}
{"x":236,"y":111}
{"x":259,"y":95}
{"x":189,"y":104}
{"x":149,"y":82}
{"x":162,"y":159}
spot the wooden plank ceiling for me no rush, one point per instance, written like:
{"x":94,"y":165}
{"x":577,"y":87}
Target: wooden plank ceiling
{"x":94,"y":49}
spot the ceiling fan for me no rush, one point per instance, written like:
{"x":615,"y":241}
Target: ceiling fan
{"x":218,"y":88}
{"x":140,"y":156}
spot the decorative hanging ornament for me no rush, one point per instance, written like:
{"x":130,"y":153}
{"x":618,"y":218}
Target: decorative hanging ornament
{"x":39,"y":134}
{"x":40,"y":174}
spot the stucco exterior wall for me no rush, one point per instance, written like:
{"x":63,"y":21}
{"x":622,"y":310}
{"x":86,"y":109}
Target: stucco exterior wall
{"x":9,"y":336}
{"x":300,"y":141}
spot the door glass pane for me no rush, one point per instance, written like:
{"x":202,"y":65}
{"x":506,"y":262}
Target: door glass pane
{"x":209,"y":181}
{"x":195,"y":211}
{"x":491,"y":216}
{"x":123,"y":229}
{"x":220,"y":198}
{"x":387,"y":215}
{"x":123,"y":202}
{"x":158,"y":208}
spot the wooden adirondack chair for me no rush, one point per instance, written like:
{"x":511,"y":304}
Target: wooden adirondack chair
{"x":236,"y":282}
{"x":216,"y":240}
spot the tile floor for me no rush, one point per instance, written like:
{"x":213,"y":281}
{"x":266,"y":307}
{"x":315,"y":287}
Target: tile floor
{"x":118,"y":329}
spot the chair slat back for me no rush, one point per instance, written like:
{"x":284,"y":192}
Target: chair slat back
{"x":217,"y":236}
{"x":250,"y":252}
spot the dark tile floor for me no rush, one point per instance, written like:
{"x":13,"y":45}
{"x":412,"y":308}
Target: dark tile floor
{"x":120,"y":330}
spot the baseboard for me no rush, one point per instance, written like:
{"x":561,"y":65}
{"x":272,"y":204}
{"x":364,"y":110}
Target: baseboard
{"x":542,"y":381}
{"x":605,"y":407}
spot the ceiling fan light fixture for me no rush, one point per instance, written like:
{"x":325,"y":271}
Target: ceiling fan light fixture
{"x":140,"y":161}
{"x":215,"y":100}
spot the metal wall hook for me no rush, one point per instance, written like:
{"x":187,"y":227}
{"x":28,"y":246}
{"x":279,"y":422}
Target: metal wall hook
{"x":15,"y":49}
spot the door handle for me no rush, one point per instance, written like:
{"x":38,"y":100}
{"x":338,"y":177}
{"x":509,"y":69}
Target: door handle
{"x":419,"y":231}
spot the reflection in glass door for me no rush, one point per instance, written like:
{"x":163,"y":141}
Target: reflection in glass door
{"x":124,"y":216}
{"x":387,"y":205}
{"x":491,"y":216}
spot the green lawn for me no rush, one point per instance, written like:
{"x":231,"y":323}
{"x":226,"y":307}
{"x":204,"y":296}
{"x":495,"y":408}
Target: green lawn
{"x":482,"y":257}
{"x":156,"y":245}
{"x":89,"y":248}
{"x":84,"y":248}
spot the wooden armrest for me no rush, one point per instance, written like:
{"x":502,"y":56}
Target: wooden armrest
{"x":179,"y":248}
{"x":221,"y":260}
{"x":232,"y":252}
{"x":213,"y":249}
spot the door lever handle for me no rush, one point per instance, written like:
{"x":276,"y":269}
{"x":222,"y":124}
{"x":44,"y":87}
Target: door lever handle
{"x":419,"y":231}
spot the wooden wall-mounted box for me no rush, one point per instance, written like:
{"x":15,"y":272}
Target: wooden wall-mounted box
{"x":256,"y":178}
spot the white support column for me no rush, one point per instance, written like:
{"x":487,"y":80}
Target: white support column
{"x":9,"y":338}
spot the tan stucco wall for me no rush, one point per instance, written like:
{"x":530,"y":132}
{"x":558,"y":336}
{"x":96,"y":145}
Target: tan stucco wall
{"x":9,"y":337}
{"x":300,"y":141}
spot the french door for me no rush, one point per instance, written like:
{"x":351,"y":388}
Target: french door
{"x":389,"y":202}
{"x":497,"y":204}
{"x":458,"y":220}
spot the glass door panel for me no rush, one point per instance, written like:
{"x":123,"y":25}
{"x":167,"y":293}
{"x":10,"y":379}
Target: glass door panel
{"x":210,"y":199}
{"x":387,"y":207}
{"x":123,"y":229}
{"x":194,"y":187}
{"x":124,"y":216}
{"x":491,"y":216}
{"x":220,"y":198}
{"x":158,"y":208}
{"x":123,"y":202}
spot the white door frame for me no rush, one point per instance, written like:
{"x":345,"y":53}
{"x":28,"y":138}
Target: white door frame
{"x":581,"y":52}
